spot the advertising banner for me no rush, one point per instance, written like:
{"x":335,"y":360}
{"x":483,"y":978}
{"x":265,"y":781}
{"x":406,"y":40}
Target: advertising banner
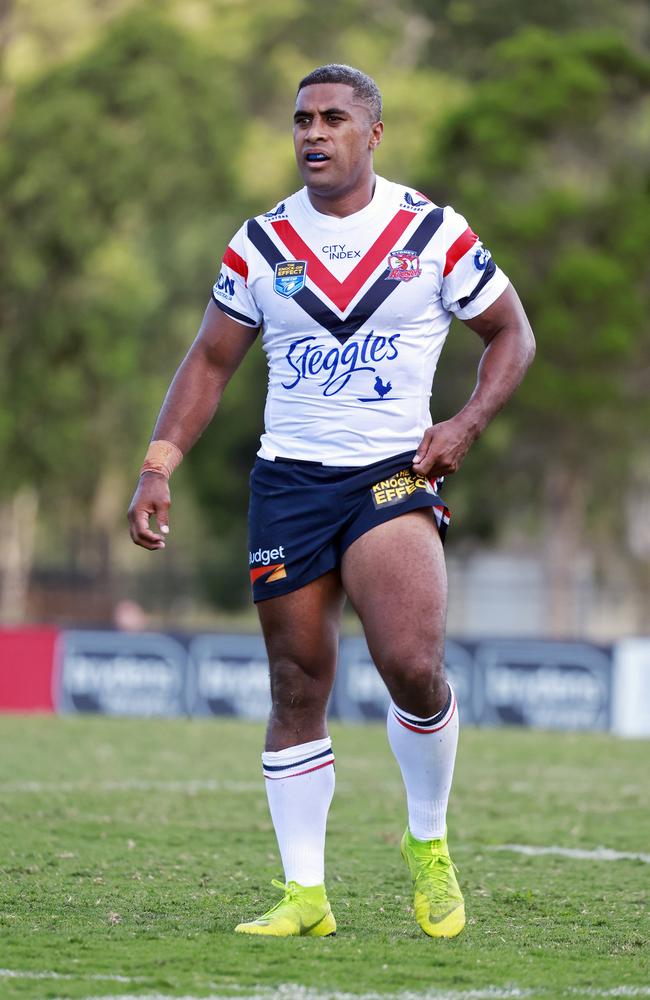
{"x":26,"y":669}
{"x":122,"y":673}
{"x":523,"y":682}
{"x":231,"y":676}
{"x":360,"y":693}
{"x":551,"y":685}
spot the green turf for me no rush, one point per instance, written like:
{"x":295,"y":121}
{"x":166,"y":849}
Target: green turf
{"x":100,"y":877}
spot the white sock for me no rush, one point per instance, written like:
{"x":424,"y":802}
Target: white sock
{"x":299,"y":787}
{"x":425,"y":750}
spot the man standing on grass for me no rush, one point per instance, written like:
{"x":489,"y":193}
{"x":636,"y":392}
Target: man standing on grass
{"x":353,"y":282}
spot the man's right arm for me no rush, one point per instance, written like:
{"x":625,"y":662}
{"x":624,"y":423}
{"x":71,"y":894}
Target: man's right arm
{"x":188,"y":408}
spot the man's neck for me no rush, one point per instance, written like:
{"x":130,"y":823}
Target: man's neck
{"x":344,"y":204}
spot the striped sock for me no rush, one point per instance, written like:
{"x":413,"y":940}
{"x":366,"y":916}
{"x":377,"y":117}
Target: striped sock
{"x":299,"y":787}
{"x":425,"y":750}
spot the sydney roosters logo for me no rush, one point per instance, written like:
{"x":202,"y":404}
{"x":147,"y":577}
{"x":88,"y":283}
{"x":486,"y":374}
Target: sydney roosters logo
{"x":404,"y":265}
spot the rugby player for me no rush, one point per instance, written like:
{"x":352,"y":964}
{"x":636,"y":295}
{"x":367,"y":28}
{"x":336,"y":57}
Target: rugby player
{"x":353,"y":282}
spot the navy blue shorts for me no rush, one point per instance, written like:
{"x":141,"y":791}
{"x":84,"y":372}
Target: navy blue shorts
{"x":303,"y":515}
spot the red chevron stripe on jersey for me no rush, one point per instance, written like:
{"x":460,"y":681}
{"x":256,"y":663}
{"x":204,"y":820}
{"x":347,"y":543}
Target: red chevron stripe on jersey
{"x":236,"y":263}
{"x":371,"y":300}
{"x":458,"y":250}
{"x":341,"y":293}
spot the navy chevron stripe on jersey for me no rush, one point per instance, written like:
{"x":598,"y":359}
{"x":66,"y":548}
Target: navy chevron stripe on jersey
{"x":240,"y":317}
{"x":350,"y":368}
{"x":490,"y":270}
{"x":378,"y":292}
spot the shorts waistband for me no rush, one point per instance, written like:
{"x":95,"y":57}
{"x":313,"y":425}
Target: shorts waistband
{"x":406,"y":457}
{"x":297,"y":461}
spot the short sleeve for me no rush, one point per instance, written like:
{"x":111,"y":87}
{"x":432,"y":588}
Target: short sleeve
{"x":230,"y":291}
{"x":471,"y":280}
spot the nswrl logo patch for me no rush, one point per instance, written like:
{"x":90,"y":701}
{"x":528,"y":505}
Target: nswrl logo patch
{"x":289,"y":277}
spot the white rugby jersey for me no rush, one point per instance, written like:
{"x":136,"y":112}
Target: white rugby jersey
{"x":354,"y":313}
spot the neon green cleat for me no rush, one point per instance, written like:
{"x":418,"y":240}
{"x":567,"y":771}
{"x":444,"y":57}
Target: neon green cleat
{"x":303,"y":912}
{"x":439,"y":905}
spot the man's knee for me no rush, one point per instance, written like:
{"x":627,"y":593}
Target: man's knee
{"x":417,"y":683}
{"x":299,"y":687}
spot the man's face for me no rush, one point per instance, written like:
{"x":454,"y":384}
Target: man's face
{"x":334,"y":138}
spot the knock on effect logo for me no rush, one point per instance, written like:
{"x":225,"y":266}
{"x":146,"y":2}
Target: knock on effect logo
{"x":290,"y":277}
{"x":404,"y":265}
{"x":397,"y":488}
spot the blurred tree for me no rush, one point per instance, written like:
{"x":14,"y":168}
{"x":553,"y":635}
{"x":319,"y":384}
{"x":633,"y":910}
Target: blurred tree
{"x":34,"y":36}
{"x":550,"y":159}
{"x":459,"y":35}
{"x":112,"y":173}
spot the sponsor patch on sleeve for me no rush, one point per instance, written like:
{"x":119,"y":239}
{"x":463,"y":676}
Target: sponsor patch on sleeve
{"x":481,"y":258}
{"x":224,"y":286}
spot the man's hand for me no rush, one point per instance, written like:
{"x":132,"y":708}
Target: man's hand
{"x":509,"y":350}
{"x":189,"y":405}
{"x":151,"y":498}
{"x":443,"y":448}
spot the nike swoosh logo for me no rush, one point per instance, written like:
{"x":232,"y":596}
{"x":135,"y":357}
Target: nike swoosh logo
{"x":306,"y":928}
{"x":438,"y":920}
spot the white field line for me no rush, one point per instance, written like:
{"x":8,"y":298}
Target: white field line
{"x":288,"y":992}
{"x":304,"y":993}
{"x":598,"y":854}
{"x":191,"y":786}
{"x":284,"y":991}
{"x":92,"y":977}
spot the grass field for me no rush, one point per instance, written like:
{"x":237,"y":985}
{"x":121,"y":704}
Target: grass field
{"x":130,"y":849}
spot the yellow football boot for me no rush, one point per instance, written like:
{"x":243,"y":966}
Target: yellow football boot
{"x":438,"y":903}
{"x":302,"y":912}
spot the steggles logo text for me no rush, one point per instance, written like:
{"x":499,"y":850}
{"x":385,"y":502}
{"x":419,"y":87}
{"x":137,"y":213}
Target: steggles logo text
{"x":338,"y":365}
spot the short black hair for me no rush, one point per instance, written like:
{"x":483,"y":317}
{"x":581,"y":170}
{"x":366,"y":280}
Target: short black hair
{"x":363,"y":85}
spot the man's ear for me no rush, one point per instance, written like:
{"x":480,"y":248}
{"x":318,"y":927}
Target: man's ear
{"x":377,"y":133}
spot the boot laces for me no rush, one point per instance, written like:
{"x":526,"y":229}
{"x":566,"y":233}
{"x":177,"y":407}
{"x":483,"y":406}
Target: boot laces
{"x":434,"y":873}
{"x":289,"y":894}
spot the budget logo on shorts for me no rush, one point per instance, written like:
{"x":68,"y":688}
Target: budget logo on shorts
{"x":264,"y":565}
{"x":397,"y":488}
{"x":404,"y":265}
{"x":290,"y":277}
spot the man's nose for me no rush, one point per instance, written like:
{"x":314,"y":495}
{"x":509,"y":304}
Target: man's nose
{"x":315,"y":131}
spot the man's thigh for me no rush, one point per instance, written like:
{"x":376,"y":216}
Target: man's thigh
{"x":303,"y":626}
{"x":396,"y":579}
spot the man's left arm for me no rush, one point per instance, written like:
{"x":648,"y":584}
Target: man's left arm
{"x":509,"y":351}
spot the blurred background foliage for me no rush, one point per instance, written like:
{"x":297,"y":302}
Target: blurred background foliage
{"x":136,"y":136}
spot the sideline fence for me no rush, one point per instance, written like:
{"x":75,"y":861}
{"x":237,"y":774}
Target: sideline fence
{"x":542,"y":683}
